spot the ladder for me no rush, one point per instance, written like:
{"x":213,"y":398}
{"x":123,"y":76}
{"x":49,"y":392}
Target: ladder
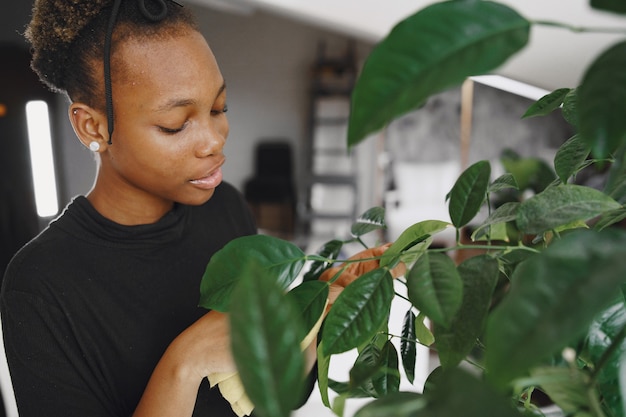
{"x":329,"y":189}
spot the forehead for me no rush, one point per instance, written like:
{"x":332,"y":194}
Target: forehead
{"x":176,"y":61}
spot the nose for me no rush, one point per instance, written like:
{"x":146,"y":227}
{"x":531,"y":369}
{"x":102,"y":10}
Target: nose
{"x":211,"y":142}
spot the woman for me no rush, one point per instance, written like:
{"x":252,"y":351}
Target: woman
{"x":100,"y":311}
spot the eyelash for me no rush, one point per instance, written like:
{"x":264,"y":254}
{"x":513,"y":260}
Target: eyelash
{"x":223,"y":110}
{"x":169,"y":131}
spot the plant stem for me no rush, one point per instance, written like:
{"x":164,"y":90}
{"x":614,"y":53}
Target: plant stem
{"x":417,"y":342}
{"x":474,"y":363}
{"x":487,"y":247}
{"x":578,"y":29}
{"x":594,"y":404}
{"x":403,"y":297}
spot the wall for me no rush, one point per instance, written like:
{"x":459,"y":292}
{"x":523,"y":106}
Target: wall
{"x":265,"y":60}
{"x":553,"y":58}
{"x":75,"y":165}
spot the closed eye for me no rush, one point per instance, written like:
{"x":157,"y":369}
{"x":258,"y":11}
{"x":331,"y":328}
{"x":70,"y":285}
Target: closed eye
{"x":171,"y":131}
{"x":220,"y":111}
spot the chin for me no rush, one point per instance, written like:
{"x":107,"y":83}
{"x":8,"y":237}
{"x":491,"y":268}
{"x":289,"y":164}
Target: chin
{"x":199,"y":199}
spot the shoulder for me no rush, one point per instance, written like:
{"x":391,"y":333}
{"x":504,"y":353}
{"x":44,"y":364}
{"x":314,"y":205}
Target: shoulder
{"x":43,"y":256}
{"x":26,"y":267}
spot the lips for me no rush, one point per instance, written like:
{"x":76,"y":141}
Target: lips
{"x":212,"y":180}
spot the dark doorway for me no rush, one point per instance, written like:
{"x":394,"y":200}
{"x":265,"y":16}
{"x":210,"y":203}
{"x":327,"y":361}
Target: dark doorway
{"x":18,"y":85}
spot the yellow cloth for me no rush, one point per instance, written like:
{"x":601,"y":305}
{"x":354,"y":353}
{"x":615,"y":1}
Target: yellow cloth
{"x":230,"y":384}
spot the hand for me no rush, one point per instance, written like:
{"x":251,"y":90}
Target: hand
{"x":204,"y":347}
{"x":353,"y":270}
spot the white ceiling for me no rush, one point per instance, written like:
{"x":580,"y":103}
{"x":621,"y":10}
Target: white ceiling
{"x":554,"y":57}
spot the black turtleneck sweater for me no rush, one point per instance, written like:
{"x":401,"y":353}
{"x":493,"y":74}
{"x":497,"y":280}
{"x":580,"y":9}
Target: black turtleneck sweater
{"x":89,"y":306}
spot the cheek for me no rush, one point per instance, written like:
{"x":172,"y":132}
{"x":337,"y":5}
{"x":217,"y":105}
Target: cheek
{"x":146,"y":154}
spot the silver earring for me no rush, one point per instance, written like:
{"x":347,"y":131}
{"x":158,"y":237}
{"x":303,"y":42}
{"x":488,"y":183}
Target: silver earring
{"x":94,"y":146}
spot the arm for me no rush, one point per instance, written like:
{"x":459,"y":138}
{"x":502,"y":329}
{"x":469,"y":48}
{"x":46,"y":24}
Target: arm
{"x":173,"y":386}
{"x":49,"y":371}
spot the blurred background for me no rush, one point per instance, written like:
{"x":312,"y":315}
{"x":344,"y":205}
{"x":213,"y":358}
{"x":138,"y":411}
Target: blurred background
{"x":290,"y":66}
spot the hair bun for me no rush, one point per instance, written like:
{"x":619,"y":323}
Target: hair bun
{"x":56,"y":23}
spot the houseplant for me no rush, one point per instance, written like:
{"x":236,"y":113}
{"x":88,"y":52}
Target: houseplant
{"x":541,"y":310}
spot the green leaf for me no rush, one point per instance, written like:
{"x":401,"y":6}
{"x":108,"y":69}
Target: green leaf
{"x":605,"y":330}
{"x":436,"y":48}
{"x":616,"y":181}
{"x":278,"y":258}
{"x":310,"y":299}
{"x":571,"y":157}
{"x":435,"y":287}
{"x":359,"y":311}
{"x":330,"y":250}
{"x":616,"y":6}
{"x":507,"y":212}
{"x":468,"y":193}
{"x":479,"y":275}
{"x":387,"y":380}
{"x":410,"y":237}
{"x":601,"y":100}
{"x":323,"y":365}
{"x":372,"y":219}
{"x":504,"y":181}
{"x":408,"y":346}
{"x":567,"y":387}
{"x":530,"y":173}
{"x":610,"y":218}
{"x":265,"y":339}
{"x":456,"y":392}
{"x":339,"y":405}
{"x":553,"y":299}
{"x":565,"y":204}
{"x":570,"y":108}
{"x":399,"y":404}
{"x":343,"y":388}
{"x":509,"y":260}
{"x":547,"y":104}
{"x":366,"y":365}
{"x":622,"y":380}
{"x":422,"y":332}
{"x":498,"y":232}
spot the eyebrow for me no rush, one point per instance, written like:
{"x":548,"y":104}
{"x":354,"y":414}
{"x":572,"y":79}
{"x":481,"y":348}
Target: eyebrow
{"x":184,"y":102}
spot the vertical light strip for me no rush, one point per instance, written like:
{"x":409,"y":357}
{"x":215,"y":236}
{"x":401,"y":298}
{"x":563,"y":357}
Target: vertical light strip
{"x":41,"y":159}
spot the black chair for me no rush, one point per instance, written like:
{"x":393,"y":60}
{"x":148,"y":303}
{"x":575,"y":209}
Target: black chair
{"x":271,"y":191}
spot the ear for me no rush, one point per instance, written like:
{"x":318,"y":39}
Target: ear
{"x":89,"y":124}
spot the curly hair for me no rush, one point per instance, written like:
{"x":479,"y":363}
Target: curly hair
{"x":67,"y":39}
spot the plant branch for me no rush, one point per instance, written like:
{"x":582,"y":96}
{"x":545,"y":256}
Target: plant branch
{"x":358,"y":239}
{"x":594,"y":404}
{"x":578,"y":29}
{"x":408,"y":340}
{"x":486,"y":247}
{"x":403,"y":297}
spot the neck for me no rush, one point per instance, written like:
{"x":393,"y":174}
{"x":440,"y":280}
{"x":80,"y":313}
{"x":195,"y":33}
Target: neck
{"x":129,"y":209}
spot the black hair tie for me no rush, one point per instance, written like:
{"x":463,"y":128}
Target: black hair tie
{"x":153,"y":17}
